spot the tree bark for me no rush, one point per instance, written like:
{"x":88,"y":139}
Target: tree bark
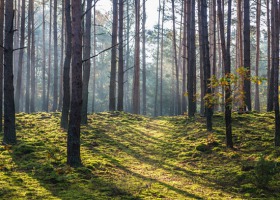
{"x":86,"y":67}
{"x":177,"y":98}
{"x":73,"y":139}
{"x":144,"y":98}
{"x":161,"y":60}
{"x":20,"y":60}
{"x":60,"y":96}
{"x":94,"y":61}
{"x":67,"y":62}
{"x":136,"y":78}
{"x":112,"y":93}
{"x":2,"y":8}
{"x":9,"y":106}
{"x":257,"y":92}
{"x":226,"y":59}
{"x":191,"y":59}
{"x":121,"y":60}
{"x":50,"y":60}
{"x":157,"y":62}
{"x":55,"y":72}
{"x":44,"y":60}
{"x":184,"y":100}
{"x":247,"y":59}
{"x":206,"y":63}
{"x":275,"y":63}
{"x":269,"y":69}
{"x":32,"y":57}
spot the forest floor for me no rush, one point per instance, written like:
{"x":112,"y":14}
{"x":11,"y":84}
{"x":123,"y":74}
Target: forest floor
{"x":134,"y":157}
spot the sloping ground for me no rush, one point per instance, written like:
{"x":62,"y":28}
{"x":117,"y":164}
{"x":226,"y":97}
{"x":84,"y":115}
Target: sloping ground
{"x":134,"y":157}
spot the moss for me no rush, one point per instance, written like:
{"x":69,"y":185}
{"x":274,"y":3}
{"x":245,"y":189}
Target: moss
{"x":129,"y":156}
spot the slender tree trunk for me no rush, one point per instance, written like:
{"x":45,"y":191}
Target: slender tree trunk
{"x":112,"y":93}
{"x":94,"y":61}
{"x":1,"y":59}
{"x":28,"y":65}
{"x":206,"y":62}
{"x":247,"y":60}
{"x":161,"y":60}
{"x":177,"y":98}
{"x":50,"y":60}
{"x":73,"y":140}
{"x":20,"y":60}
{"x":226,"y":58}
{"x":136,"y":78}
{"x":61,"y":57}
{"x":127,"y":66}
{"x":121,"y":60}
{"x":9,"y":106}
{"x":201,"y":64}
{"x":32,"y":57}
{"x":144,"y":97}
{"x":55,"y":72}
{"x":269,"y":70}
{"x":184,"y":100}
{"x":44,"y":60}
{"x":257,"y":94}
{"x":86,"y":67}
{"x":241,"y":99}
{"x":67,"y":62}
{"x":275,"y":63}
{"x":191,"y":59}
{"x":157,"y":64}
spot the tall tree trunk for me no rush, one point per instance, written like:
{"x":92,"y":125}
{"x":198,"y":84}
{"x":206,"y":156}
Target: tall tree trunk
{"x":32,"y":57}
{"x":226,"y":59}
{"x":28,"y":64}
{"x":50,"y":59}
{"x":73,"y":139}
{"x":55,"y":72}
{"x":67,"y":62}
{"x":61,"y":57}
{"x":184,"y":100}
{"x":44,"y":60}
{"x":275,"y":63}
{"x":86,"y":67}
{"x":157,"y":60}
{"x":269,"y":70}
{"x":257,"y":94}
{"x":112,"y":93}
{"x":136,"y":78}
{"x":94,"y":60}
{"x":121,"y":60}
{"x":1,"y":59}
{"x":20,"y":60}
{"x":144,"y":92}
{"x":247,"y":59}
{"x":191,"y":58}
{"x":161,"y":60}
{"x":9,"y":106}
{"x":127,"y":59}
{"x":177,"y":98}
{"x":201,"y":64}
{"x":241,"y":99}
{"x":206,"y":63}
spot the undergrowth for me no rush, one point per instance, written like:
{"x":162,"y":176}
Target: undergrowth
{"x":134,"y":157}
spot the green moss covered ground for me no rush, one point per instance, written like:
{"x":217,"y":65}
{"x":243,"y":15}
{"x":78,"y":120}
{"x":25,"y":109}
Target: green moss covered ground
{"x":134,"y":157}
